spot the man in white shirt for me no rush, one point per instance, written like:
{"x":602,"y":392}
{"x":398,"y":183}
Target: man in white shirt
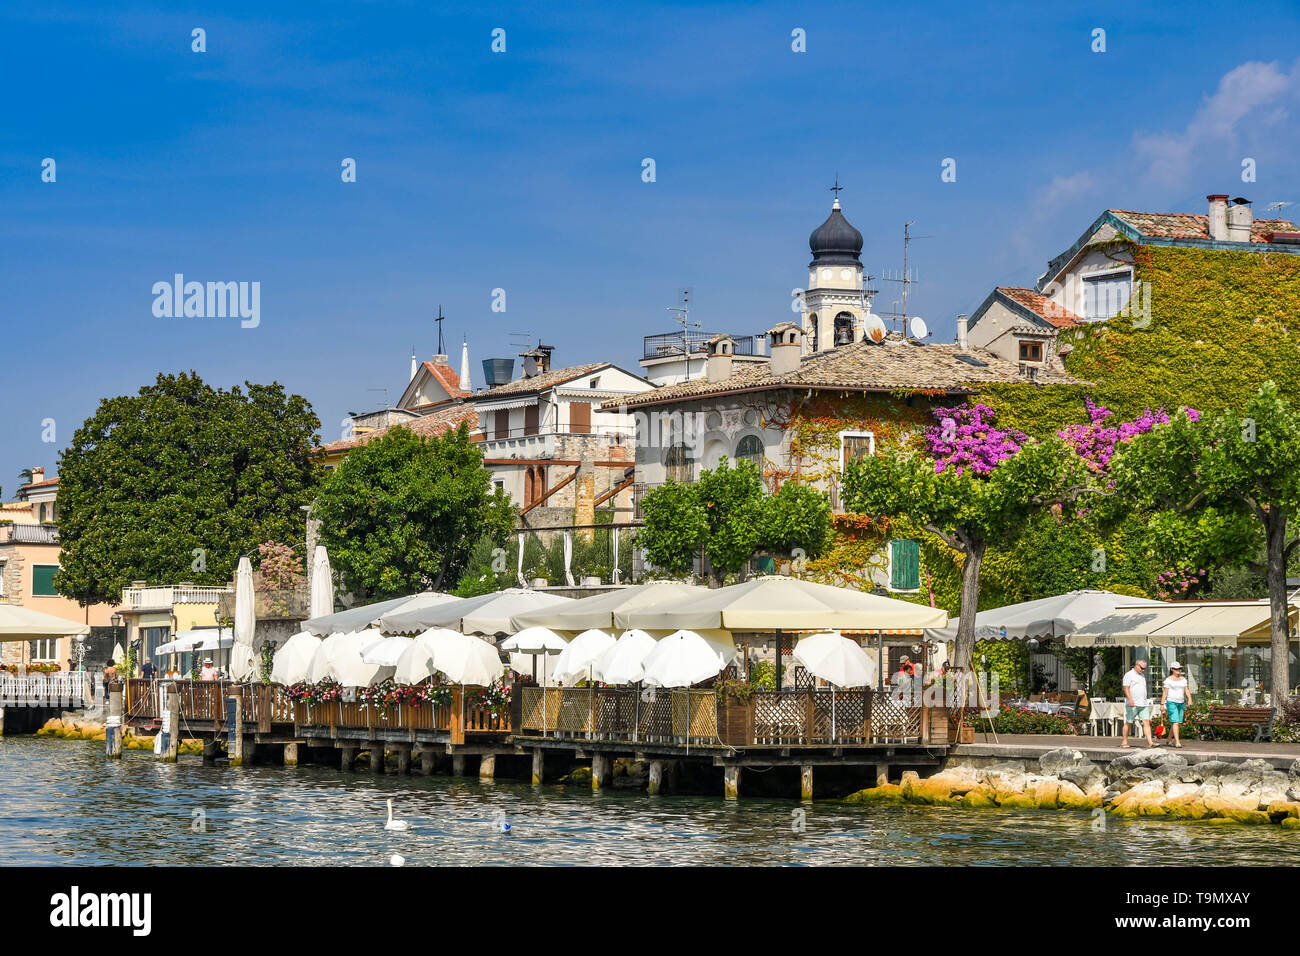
{"x":1137,"y":706}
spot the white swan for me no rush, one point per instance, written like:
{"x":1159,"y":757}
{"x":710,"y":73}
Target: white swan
{"x":395,"y":824}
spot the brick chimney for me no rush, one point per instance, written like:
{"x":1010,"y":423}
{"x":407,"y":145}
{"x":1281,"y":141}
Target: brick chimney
{"x":721,"y":349}
{"x":786,"y":348}
{"x":1218,"y":216}
{"x":38,"y":474}
{"x":1240,"y":220}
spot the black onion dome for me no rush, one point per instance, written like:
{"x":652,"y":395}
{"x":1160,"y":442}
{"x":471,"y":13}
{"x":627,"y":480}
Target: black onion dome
{"x":836,"y":242}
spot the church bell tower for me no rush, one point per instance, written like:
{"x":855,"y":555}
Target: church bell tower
{"x":835,"y":304}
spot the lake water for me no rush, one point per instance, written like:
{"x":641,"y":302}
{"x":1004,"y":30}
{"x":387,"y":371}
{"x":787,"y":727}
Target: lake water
{"x":62,"y":802}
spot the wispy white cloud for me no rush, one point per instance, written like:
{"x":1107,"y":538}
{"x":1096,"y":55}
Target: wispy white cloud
{"x":1250,"y":98}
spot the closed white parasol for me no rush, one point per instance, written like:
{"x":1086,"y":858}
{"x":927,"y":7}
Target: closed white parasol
{"x":624,"y":663}
{"x":293,"y":661}
{"x":684,"y":658}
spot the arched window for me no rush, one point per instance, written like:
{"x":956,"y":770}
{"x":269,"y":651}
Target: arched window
{"x":529,"y":486}
{"x":42,"y":511}
{"x":751,"y":447}
{"x":678,"y":463}
{"x":844,"y":329}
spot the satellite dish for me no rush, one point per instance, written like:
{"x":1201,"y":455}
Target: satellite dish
{"x":919,"y":329}
{"x":875,"y":329}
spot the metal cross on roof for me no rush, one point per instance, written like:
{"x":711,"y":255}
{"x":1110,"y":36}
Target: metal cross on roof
{"x":438,"y":319}
{"x":837,"y":187}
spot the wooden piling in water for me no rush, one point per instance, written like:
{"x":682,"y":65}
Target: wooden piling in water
{"x":599,"y":771}
{"x":291,"y":755}
{"x":403,"y":760}
{"x":458,"y":765}
{"x":172,"y":725}
{"x":731,"y":781}
{"x":377,"y":758}
{"x":487,"y":767}
{"x":539,"y":767}
{"x":427,"y":758}
{"x":806,"y":781}
{"x":113,"y":725}
{"x":656,"y":776}
{"x":235,"y":745}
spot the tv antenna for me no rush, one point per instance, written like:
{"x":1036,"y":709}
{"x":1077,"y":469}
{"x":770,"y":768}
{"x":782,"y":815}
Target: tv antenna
{"x":907,"y":277}
{"x":384,"y":390}
{"x":1278,"y":206}
{"x":682,"y":316}
{"x":521,"y":340}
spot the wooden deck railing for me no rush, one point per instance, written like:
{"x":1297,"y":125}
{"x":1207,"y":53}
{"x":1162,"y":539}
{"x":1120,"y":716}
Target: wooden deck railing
{"x":788,"y":718}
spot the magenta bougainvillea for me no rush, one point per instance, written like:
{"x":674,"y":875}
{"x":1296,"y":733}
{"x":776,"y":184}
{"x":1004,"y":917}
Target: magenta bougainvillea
{"x":1096,"y":441}
{"x":964,"y":438}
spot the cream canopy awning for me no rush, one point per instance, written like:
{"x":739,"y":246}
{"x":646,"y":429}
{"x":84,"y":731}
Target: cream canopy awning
{"x":777,"y":603}
{"x":606,"y":611}
{"x":1201,"y":624}
{"x":18,"y":623}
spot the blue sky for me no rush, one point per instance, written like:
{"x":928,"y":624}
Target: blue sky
{"x":522,"y":170}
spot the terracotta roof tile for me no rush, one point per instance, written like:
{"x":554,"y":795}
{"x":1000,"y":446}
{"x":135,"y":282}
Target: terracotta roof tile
{"x":447,"y":377}
{"x":1192,"y":225}
{"x":1041,"y":306}
{"x":539,"y":383}
{"x":436,"y":423}
{"x":893,"y":366}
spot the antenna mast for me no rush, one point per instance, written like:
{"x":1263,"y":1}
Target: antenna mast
{"x":907,"y":279}
{"x":682,"y":316}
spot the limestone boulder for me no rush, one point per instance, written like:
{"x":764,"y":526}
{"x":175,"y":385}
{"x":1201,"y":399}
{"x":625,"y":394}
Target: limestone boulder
{"x":1070,"y":796}
{"x":1047,"y":794}
{"x":1086,"y":777}
{"x":1144,"y":799}
{"x":1294,"y":770}
{"x":1063,"y":758}
{"x":887,"y":793}
{"x":1280,"y":810}
{"x":981,"y":796}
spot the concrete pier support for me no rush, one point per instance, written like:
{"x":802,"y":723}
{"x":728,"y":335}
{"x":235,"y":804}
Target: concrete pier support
{"x":173,"y":711}
{"x":291,"y":755}
{"x":882,"y":774}
{"x":806,"y":781}
{"x":539,"y":767}
{"x":377,"y":758}
{"x":458,"y":765}
{"x":599,"y":772}
{"x":347,"y":755}
{"x":404,"y":760}
{"x":731,"y":782}
{"x":426,"y":762}
{"x":211,"y":750}
{"x":487,"y":767}
{"x":656,"y":776}
{"x":113,"y":725}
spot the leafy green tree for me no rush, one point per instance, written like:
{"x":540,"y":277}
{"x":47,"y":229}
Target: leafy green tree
{"x":404,"y":513}
{"x":727,"y":514}
{"x":966,"y":508}
{"x":1247,"y":461}
{"x":176,"y":482}
{"x":675,"y":524}
{"x":24,"y":477}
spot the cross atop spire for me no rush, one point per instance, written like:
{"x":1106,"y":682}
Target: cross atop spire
{"x":836,"y":190}
{"x":438,"y":319}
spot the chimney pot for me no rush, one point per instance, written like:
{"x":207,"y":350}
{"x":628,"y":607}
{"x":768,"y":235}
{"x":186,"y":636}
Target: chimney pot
{"x":1240,"y":221}
{"x":962,"y":328}
{"x":1218,"y":221}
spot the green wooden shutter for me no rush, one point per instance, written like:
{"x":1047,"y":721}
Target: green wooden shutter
{"x":43,"y":580}
{"x":906,"y":564}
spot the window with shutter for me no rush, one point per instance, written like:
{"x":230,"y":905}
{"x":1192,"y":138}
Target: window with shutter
{"x":905,"y":564}
{"x":43,"y":580}
{"x":502,"y":425}
{"x":530,"y":420}
{"x":580,"y":418}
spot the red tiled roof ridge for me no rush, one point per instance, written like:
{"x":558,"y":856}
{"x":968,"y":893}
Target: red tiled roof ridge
{"x":1041,"y":306}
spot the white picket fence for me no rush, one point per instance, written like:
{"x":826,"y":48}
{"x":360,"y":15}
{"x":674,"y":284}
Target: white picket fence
{"x":45,"y":690}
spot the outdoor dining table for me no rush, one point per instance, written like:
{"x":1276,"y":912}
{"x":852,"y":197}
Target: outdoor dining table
{"x":1109,"y":712}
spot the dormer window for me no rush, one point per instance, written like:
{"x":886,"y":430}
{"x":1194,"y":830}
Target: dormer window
{"x":1031,"y":351}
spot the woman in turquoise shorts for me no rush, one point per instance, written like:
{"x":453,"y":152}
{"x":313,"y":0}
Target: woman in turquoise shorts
{"x":1175,"y":699}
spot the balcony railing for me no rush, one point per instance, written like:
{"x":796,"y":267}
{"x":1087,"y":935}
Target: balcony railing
{"x":159,"y":597}
{"x":29,"y":534}
{"x":668,"y":344}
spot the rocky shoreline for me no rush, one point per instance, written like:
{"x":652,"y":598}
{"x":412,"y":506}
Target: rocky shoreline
{"x":1144,"y":783}
{"x":72,"y":727}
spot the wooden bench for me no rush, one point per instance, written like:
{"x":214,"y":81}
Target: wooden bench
{"x":1261,"y":718}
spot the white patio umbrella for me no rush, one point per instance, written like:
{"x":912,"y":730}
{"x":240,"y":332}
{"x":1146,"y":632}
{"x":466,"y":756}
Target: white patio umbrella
{"x":386,"y":651}
{"x":684,"y":658}
{"x":603,"y":610}
{"x":293,"y":660}
{"x":1055,"y":616}
{"x":465,"y":659}
{"x":332,"y":650}
{"x":351,"y":671}
{"x":483,"y":614}
{"x":580,"y":654}
{"x":416,"y":663}
{"x":322,"y":584}
{"x":838,"y":661}
{"x":243,"y":665}
{"x":119,"y":655}
{"x":245,"y":613}
{"x":529,"y":643}
{"x":624,"y":663}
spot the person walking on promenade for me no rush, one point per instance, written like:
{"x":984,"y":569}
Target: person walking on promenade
{"x":1137,"y":707}
{"x":1175,"y":699}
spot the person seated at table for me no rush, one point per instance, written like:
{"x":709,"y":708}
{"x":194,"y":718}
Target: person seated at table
{"x":1175,"y":699}
{"x":208,"y":672}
